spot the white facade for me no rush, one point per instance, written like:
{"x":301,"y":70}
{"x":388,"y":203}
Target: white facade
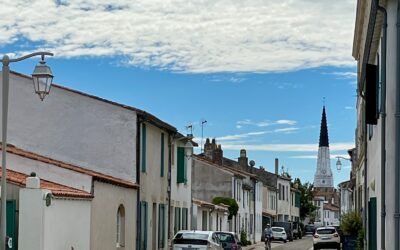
{"x":52,"y":225}
{"x":284,"y":194}
{"x":323,"y":176}
{"x":210,"y":217}
{"x":106,"y":132}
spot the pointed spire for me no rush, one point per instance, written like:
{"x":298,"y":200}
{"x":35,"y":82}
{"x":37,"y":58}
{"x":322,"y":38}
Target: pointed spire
{"x":323,"y":136}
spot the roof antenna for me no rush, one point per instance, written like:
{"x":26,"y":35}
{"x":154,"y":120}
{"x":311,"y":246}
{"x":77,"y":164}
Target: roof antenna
{"x":189,"y":128}
{"x":203,"y":122}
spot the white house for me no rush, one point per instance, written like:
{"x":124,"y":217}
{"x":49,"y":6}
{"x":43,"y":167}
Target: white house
{"x":284,"y":198}
{"x":210,"y":217}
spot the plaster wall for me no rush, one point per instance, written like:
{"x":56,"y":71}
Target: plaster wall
{"x":104,"y":210}
{"x":73,"y":128}
{"x":49,"y":172}
{"x":284,"y":204}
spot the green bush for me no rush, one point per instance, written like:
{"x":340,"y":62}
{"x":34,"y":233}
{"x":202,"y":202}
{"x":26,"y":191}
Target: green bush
{"x":243,"y":238}
{"x":360,"y":240}
{"x":351,"y":223}
{"x":233,"y":206}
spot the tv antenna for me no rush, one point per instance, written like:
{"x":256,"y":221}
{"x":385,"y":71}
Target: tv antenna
{"x":189,"y":128}
{"x":203,"y":121}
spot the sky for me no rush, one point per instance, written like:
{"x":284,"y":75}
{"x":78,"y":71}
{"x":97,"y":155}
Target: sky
{"x":259,"y":72}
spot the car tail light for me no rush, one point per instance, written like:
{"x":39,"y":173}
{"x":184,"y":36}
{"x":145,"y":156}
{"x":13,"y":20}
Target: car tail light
{"x":335,"y":235}
{"x":316,"y":236}
{"x":234,"y":245}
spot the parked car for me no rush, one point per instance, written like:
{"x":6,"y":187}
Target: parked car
{"x":288,"y":226}
{"x":326,"y":237}
{"x":279,"y":233}
{"x":200,"y":240}
{"x":229,"y":240}
{"x":297,"y":233}
{"x":340,"y":232}
{"x":309,"y":229}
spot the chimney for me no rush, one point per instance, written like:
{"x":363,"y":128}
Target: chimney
{"x":208,"y":151}
{"x":218,"y":155}
{"x":33,"y":181}
{"x":243,"y":160}
{"x":276,"y":166}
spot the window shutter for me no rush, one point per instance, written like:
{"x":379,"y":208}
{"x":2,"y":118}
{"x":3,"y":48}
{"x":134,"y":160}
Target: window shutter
{"x":162,"y":155}
{"x":371,"y":106}
{"x":161,"y":226}
{"x":144,"y":147}
{"x":143,"y":231}
{"x":181,"y":165}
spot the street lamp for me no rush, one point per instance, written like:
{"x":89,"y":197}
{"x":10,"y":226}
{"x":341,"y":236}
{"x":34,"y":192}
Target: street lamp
{"x":42,"y":80}
{"x":339,"y":163}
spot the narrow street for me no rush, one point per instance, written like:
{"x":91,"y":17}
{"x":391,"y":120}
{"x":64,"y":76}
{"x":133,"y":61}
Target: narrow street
{"x":304,"y":244}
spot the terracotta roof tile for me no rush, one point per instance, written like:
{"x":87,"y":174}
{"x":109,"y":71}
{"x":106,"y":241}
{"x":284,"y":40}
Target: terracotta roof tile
{"x":58,"y":190}
{"x":221,"y":207}
{"x":96,"y":175}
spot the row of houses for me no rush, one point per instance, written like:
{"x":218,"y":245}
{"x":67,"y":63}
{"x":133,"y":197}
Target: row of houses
{"x":88,"y":173}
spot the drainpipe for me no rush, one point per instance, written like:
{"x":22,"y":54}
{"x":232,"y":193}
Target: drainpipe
{"x":383,"y":129}
{"x":138,"y":212}
{"x":169,"y":186}
{"x":397,"y":142}
{"x":254,"y":215}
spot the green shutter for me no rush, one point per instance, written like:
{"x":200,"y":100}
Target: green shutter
{"x":162,"y":155}
{"x":181,"y":178}
{"x":12,"y":222}
{"x":161,"y":226}
{"x":143,"y":147}
{"x":143,"y":225}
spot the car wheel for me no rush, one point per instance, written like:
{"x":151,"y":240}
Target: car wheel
{"x":315,"y":247}
{"x":284,"y":241}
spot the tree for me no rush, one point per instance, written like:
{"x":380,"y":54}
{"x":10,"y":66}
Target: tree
{"x":307,"y":207}
{"x":233,"y":206}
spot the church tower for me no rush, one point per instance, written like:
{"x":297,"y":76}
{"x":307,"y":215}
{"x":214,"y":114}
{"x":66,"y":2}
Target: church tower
{"x":323,"y":176}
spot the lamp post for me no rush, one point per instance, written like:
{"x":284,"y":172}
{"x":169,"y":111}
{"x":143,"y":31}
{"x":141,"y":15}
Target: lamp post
{"x":339,"y":163}
{"x":42,"y":80}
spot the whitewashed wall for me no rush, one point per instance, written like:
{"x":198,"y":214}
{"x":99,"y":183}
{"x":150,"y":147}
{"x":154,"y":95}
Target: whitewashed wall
{"x":73,"y":128}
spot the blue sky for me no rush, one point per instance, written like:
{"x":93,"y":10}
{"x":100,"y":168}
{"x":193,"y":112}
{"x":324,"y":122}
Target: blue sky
{"x":256,"y":74}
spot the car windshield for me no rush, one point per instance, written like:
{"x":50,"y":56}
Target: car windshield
{"x":225,"y":237}
{"x":275,"y":229}
{"x":191,"y":236}
{"x":326,"y":231}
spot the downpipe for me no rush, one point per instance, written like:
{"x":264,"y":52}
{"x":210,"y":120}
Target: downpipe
{"x":383,"y":129}
{"x":397,"y":142}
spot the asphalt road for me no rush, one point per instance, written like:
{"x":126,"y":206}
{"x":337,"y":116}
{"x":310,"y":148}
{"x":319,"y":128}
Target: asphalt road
{"x":305,"y":243}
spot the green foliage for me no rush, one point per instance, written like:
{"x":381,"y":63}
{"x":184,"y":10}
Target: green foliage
{"x":233,"y":206}
{"x":307,"y":207}
{"x":360,"y":240}
{"x":243,"y":238}
{"x":351,"y":223}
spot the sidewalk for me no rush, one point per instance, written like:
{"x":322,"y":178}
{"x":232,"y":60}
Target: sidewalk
{"x":253,"y":246}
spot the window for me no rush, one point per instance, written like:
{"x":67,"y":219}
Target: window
{"x":184,"y":218}
{"x":177,"y":216}
{"x":280,"y":191}
{"x":181,"y":171}
{"x":121,"y":226}
{"x":162,"y":156}
{"x":143,"y":225}
{"x":144,"y":147}
{"x":161,"y":226}
{"x":283,"y":192}
{"x":204,"y":221}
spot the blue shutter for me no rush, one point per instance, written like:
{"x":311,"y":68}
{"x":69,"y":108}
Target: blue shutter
{"x":143,"y":228}
{"x":161,"y":226}
{"x":143,"y":147}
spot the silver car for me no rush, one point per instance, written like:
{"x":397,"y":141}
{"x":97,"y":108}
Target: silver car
{"x":196,"y":240}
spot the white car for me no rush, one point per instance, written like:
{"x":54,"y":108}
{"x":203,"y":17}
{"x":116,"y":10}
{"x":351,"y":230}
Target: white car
{"x":278,"y":233}
{"x":326,"y":237}
{"x":196,"y":240}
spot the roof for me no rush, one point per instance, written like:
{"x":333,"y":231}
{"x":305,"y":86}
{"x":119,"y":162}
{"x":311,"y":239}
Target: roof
{"x":331,"y":207}
{"x":235,"y":172}
{"x":141,"y":113}
{"x":220,"y":207}
{"x":96,"y":175}
{"x":57,"y":190}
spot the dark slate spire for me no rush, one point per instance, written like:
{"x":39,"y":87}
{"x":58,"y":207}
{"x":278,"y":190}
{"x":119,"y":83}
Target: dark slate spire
{"x":323,"y":136}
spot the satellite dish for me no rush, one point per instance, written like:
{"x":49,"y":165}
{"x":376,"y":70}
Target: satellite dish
{"x":252,"y":163}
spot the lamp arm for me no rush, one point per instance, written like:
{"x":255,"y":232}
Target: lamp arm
{"x":40,"y":53}
{"x":344,"y":158}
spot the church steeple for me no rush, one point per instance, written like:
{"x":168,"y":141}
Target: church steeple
{"x":323,"y":176}
{"x":323,"y":136}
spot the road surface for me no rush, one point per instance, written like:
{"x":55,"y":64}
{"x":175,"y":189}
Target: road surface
{"x":304,"y":244}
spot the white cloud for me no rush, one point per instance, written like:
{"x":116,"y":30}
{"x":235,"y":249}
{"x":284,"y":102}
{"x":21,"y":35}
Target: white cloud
{"x":333,"y":157}
{"x":345,"y":75}
{"x":265,"y":123}
{"x":349,"y":107}
{"x":287,"y":147}
{"x":286,"y":122}
{"x":285,"y":130}
{"x":188,"y":36}
{"x":241,"y":136}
